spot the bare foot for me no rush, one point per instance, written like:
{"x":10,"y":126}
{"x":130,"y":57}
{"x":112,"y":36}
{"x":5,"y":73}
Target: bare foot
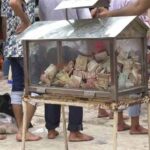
{"x":79,"y":137}
{"x":102,"y":113}
{"x":52,"y":134}
{"x":123,"y":127}
{"x":2,"y":136}
{"x":138,"y":130}
{"x":29,"y":137}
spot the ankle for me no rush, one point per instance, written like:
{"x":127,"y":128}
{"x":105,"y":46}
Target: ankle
{"x":121,"y":124}
{"x":51,"y":130}
{"x":135,"y":127}
{"x":74,"y":132}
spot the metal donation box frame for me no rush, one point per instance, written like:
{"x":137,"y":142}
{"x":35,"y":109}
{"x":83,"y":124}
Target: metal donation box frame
{"x":109,"y":29}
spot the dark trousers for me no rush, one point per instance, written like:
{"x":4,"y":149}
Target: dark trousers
{"x":52,"y":117}
{"x":17,"y":74}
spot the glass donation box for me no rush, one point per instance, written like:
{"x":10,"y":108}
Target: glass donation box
{"x":89,"y":58}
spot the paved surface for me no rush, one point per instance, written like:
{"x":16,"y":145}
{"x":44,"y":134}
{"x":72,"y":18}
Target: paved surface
{"x":101,"y":129}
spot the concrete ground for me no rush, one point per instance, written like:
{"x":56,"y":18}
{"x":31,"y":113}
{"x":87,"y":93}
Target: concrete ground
{"x":100,"y":129}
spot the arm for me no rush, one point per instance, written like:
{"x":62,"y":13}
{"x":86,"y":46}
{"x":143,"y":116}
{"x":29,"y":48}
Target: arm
{"x":3,"y":14}
{"x":16,"y":5}
{"x":136,"y":8}
{"x":4,"y":27}
{"x":94,"y":12}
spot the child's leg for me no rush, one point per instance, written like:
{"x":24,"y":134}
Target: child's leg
{"x":134,"y":113}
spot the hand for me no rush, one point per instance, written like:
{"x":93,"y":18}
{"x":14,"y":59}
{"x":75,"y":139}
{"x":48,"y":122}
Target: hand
{"x":22,"y":27}
{"x":94,"y":12}
{"x":102,"y":12}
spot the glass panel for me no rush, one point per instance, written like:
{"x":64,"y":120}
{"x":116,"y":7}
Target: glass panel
{"x":41,"y":54}
{"x":84,"y":64}
{"x":77,"y":64}
{"x":129,"y":62}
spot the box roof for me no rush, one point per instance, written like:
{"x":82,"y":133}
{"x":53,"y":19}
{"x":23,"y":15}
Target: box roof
{"x":112,"y":27}
{"x":76,"y":4}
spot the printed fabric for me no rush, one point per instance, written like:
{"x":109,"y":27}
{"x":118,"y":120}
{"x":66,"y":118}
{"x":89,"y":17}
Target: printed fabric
{"x":13,"y":46}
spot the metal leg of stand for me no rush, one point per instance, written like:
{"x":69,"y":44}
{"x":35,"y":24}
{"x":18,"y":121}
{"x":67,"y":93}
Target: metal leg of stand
{"x":64,"y":127}
{"x":149,"y":123}
{"x":24,"y":124}
{"x":115,"y":131}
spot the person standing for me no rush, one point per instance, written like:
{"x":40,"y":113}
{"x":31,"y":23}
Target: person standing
{"x":136,"y":8}
{"x":19,"y":14}
{"x":134,"y":111}
{"x":119,"y":8}
{"x":52,"y":112}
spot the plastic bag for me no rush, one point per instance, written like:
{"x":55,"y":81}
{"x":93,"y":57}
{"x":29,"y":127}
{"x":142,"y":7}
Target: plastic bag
{"x":7,"y":124}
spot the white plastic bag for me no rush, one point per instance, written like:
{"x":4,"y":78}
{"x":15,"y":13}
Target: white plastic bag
{"x":7,"y":124}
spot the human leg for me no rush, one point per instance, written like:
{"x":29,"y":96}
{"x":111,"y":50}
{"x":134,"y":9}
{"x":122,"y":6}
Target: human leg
{"x":16,"y":98}
{"x":134,"y":113}
{"x":122,"y":126}
{"x":17,"y":89}
{"x":75,"y":125}
{"x":103,"y":113}
{"x":52,"y":119}
{"x":29,"y":135}
{"x":111,"y":116}
{"x":6,"y":65}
